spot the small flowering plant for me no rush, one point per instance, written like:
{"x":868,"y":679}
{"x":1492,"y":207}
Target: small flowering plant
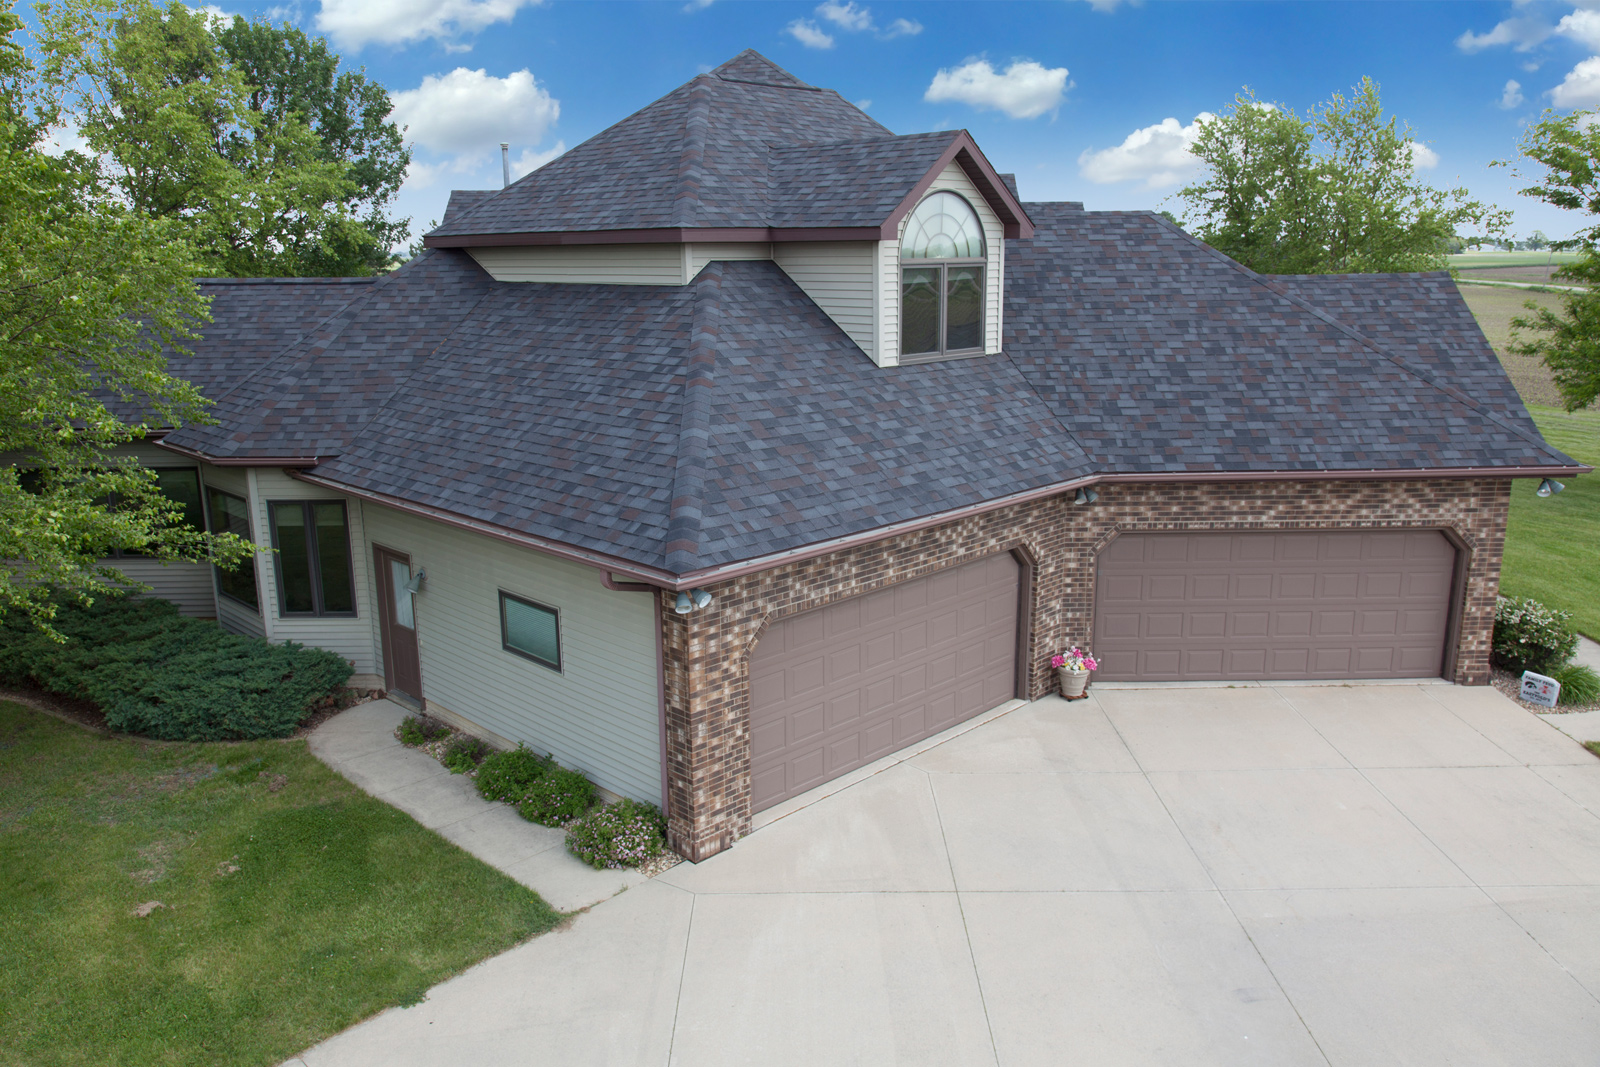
{"x":1074,"y":659}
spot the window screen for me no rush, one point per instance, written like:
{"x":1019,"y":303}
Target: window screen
{"x":313,"y":543}
{"x":530,"y":630}
{"x":230,"y":514}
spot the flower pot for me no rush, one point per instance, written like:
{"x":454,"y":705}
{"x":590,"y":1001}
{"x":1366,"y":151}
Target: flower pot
{"x":1072,"y":683}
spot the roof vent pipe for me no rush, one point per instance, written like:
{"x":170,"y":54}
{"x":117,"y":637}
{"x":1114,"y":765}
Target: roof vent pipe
{"x":505,"y":163}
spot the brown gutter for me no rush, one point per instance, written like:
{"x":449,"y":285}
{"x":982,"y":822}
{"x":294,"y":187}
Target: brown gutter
{"x":668,"y":235}
{"x":625,"y":587}
{"x":244,"y":461}
{"x":606,"y":564}
{"x":1371,"y":474}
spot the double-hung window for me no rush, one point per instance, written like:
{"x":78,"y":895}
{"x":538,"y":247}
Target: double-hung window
{"x":312,"y":540}
{"x":941,"y":280}
{"x":231,"y":514}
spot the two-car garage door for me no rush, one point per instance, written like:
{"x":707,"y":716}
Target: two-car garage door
{"x":1303,"y":604}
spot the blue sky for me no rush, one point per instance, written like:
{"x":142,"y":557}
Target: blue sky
{"x":1052,"y":90}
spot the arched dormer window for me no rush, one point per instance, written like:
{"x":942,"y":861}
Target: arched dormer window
{"x":941,"y":279}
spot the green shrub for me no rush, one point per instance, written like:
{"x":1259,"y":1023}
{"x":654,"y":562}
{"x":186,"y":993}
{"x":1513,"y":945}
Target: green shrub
{"x":1531,"y":637}
{"x":465,"y":753}
{"x":1579,"y":684}
{"x":419,"y":730}
{"x":507,"y":776}
{"x":624,"y":834}
{"x":557,"y":797}
{"x":164,"y":675}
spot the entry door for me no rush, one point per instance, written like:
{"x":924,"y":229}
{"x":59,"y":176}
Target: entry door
{"x":397,"y":617}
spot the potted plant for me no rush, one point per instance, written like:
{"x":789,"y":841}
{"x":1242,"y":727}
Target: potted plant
{"x":1072,"y":671}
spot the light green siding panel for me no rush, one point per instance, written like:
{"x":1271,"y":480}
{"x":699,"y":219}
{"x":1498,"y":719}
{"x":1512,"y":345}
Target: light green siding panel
{"x":599,"y":714}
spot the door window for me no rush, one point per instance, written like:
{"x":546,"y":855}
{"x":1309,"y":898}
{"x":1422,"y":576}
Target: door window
{"x":399,"y":575}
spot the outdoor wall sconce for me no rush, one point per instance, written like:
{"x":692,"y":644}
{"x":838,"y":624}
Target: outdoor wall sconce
{"x":415,"y":584}
{"x":1085,"y":496}
{"x":693,"y":600}
{"x":1549,"y":487}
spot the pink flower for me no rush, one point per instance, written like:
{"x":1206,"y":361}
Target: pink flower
{"x":1058,"y":661}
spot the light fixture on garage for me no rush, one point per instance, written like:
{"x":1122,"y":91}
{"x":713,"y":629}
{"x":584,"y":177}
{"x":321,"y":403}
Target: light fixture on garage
{"x":693,"y":600}
{"x":1549,"y":487}
{"x":1085,"y":496}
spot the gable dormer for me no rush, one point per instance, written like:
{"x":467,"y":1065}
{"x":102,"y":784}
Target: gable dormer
{"x":748,"y":162}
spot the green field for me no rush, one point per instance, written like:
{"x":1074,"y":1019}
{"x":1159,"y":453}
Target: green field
{"x":294,"y":904}
{"x":1468,"y":260}
{"x":1553,"y":544}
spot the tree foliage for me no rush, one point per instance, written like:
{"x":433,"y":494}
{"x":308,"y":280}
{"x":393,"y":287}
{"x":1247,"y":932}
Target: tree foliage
{"x":272,"y":160}
{"x":92,"y":296}
{"x":1333,"y":192}
{"x":1567,"y":149}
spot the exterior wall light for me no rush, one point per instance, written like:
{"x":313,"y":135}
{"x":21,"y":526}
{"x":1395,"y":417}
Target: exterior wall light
{"x":415,"y":584}
{"x":1085,"y":496}
{"x":1549,"y":487}
{"x":693,"y":600}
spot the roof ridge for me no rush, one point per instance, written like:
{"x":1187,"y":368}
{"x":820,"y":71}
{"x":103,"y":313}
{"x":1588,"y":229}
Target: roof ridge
{"x":1416,"y":372}
{"x":692,"y":156}
{"x":687,"y":508}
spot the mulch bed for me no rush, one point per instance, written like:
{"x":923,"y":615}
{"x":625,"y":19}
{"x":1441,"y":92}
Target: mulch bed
{"x":1511,"y":685}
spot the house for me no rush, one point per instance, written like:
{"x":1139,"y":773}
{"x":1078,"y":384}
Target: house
{"x":749,"y":442}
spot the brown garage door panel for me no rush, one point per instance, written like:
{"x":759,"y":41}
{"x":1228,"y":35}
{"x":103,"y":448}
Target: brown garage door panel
{"x":837,"y":688}
{"x":1303,"y":604}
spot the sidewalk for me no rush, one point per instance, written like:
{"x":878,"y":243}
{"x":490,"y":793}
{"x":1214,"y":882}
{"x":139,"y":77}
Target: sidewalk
{"x":1580,"y":725}
{"x":360,"y":745}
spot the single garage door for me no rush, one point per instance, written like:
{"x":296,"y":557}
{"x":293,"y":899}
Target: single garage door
{"x":1312,"y":604}
{"x":839,"y":687}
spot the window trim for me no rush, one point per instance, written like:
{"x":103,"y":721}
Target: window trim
{"x":505,"y":633}
{"x":313,"y":561}
{"x":206,"y":490}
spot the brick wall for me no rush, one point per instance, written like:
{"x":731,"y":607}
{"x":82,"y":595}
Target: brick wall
{"x":707,"y":652}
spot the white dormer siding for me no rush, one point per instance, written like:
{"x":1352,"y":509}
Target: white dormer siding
{"x":952,"y":179}
{"x":837,"y":275}
{"x":640,"y":264}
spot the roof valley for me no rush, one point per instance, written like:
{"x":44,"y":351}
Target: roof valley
{"x":687,"y":510}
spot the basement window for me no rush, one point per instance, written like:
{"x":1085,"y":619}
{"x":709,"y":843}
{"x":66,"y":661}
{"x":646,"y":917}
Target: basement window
{"x":942,"y":261}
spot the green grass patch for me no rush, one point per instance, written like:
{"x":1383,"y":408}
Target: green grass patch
{"x":1592,"y":746}
{"x":294,"y":904}
{"x":1553,"y":544}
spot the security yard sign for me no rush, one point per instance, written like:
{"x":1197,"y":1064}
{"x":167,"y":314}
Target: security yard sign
{"x":1537,"y":689}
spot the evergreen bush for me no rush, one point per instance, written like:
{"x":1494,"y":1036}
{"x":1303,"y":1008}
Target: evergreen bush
{"x":157,"y":673}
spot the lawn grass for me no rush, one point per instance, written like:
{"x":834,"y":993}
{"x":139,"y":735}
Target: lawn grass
{"x":1553,"y":544}
{"x":340,"y":905}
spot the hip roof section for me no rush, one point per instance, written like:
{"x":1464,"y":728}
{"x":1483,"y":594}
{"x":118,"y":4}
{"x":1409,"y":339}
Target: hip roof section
{"x":684,"y":427}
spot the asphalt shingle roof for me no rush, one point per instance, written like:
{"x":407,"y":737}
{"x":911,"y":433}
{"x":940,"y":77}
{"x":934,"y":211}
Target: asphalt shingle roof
{"x":681,"y":427}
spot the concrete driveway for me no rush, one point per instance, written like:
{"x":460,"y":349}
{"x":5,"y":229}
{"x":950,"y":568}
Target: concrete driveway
{"x":1276,"y":876}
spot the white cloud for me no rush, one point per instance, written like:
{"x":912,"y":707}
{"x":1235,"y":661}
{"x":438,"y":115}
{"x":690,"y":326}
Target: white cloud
{"x":1156,"y":155}
{"x":903,"y":28}
{"x":1422,"y":157}
{"x":1106,"y":7}
{"x":1582,"y":26}
{"x":1581,"y":87}
{"x":1512,"y":96}
{"x":355,"y":23}
{"x":864,"y":105}
{"x":531,"y":160}
{"x":1522,"y":34}
{"x":59,"y":140}
{"x":469,"y":112}
{"x":1026,"y":90}
{"x":696,"y":5}
{"x":808,"y":33}
{"x":846,"y":16}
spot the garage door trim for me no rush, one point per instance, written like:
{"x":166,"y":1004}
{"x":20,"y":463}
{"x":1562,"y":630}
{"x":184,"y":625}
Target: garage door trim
{"x":1456,"y":609}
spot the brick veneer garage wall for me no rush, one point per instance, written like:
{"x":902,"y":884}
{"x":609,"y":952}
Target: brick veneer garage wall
{"x":707,"y":652}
